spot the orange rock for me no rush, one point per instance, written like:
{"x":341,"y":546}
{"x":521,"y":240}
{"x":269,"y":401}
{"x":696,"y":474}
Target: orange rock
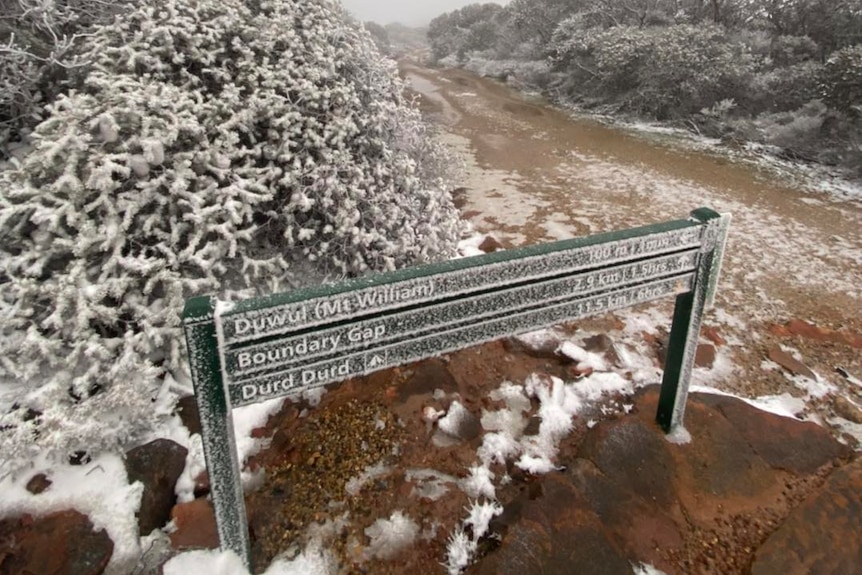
{"x":712,"y":334}
{"x":195,"y":525}
{"x":490,"y":244}
{"x":779,"y":330}
{"x":705,"y":356}
{"x":790,"y":363}
{"x":805,"y":329}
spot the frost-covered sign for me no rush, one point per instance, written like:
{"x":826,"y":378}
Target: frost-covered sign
{"x":248,"y":351}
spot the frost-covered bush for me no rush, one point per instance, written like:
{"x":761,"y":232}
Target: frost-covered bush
{"x":798,"y":133}
{"x":39,"y":41}
{"x":215,"y":146}
{"x":665,"y":72}
{"x":842,"y":79}
{"x":533,"y":74}
{"x":785,"y":88}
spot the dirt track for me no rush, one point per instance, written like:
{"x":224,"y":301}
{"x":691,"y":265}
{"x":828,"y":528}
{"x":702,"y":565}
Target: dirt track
{"x":535,"y":173}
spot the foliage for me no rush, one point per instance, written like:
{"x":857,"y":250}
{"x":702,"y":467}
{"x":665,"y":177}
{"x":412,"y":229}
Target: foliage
{"x":471,"y":28}
{"x":664,"y":72}
{"x":785,"y":88}
{"x":39,"y":40}
{"x":842,"y":79}
{"x":212,"y":146}
{"x":380,"y":36}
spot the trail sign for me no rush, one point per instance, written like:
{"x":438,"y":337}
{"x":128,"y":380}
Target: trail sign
{"x":248,"y":351}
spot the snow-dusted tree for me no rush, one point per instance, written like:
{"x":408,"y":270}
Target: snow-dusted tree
{"x":215,"y":146}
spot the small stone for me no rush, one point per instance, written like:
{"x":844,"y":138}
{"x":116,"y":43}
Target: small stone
{"x":533,"y":426}
{"x":195,"y":525}
{"x":459,"y":197}
{"x":712,"y":334}
{"x":847,"y":409}
{"x":157,"y":465}
{"x":202,"y":484}
{"x":490,"y":244}
{"x":790,"y":363}
{"x":598,"y":343}
{"x":705,"y":355}
{"x":575,"y":372}
{"x":38,"y":483}
{"x":187,"y":408}
{"x":541,"y":344}
{"x":602,"y":343}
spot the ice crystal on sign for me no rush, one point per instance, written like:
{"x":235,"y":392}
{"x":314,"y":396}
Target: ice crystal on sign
{"x":180,"y":168}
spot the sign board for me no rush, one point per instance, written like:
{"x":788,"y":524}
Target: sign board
{"x":257,"y":349}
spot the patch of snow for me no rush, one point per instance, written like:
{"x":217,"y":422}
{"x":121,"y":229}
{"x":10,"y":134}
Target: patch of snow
{"x":784,"y":404}
{"x":584,"y":358}
{"x":646,"y":569}
{"x":479,"y":482}
{"x":850,"y":428}
{"x":814,"y":388}
{"x":355,"y":484}
{"x":209,"y":562}
{"x":312,"y":561}
{"x":99,"y":489}
{"x":679,"y":436}
{"x":539,"y":339}
{"x":430,"y":414}
{"x":480,"y":517}
{"x":453,"y":420}
{"x":469,"y":246}
{"x":195,"y":465}
{"x":245,"y":420}
{"x":459,"y":552}
{"x":498,"y":447}
{"x":431,"y":484}
{"x":388,"y":537}
{"x":313,"y":395}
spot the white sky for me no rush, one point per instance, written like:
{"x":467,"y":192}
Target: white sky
{"x":409,"y":12}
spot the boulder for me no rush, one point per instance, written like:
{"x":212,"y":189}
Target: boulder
{"x":822,"y":535}
{"x":61,"y":543}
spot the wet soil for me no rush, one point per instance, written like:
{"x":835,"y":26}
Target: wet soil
{"x":535,"y":173}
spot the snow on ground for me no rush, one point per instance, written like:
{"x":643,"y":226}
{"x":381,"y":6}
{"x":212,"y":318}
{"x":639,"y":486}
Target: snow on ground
{"x":812,"y":177}
{"x":312,"y":561}
{"x":98,"y":489}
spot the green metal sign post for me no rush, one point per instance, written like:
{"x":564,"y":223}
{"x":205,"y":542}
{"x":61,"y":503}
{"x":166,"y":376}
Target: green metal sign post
{"x":262,"y":348}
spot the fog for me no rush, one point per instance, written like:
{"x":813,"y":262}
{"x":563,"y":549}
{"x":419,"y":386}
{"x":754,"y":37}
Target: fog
{"x":409,"y":12}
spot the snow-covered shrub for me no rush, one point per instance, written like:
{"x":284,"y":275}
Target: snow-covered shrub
{"x":534,"y":74}
{"x":797,"y":132}
{"x":842,"y":80}
{"x":785,"y":88}
{"x":39,"y":40}
{"x":214,"y":146}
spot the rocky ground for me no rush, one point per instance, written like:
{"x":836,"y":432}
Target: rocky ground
{"x":752,"y":493}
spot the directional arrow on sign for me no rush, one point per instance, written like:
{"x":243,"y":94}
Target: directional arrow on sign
{"x":375,"y":361}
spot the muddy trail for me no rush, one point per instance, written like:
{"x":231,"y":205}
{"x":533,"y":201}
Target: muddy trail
{"x":536,"y":174}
